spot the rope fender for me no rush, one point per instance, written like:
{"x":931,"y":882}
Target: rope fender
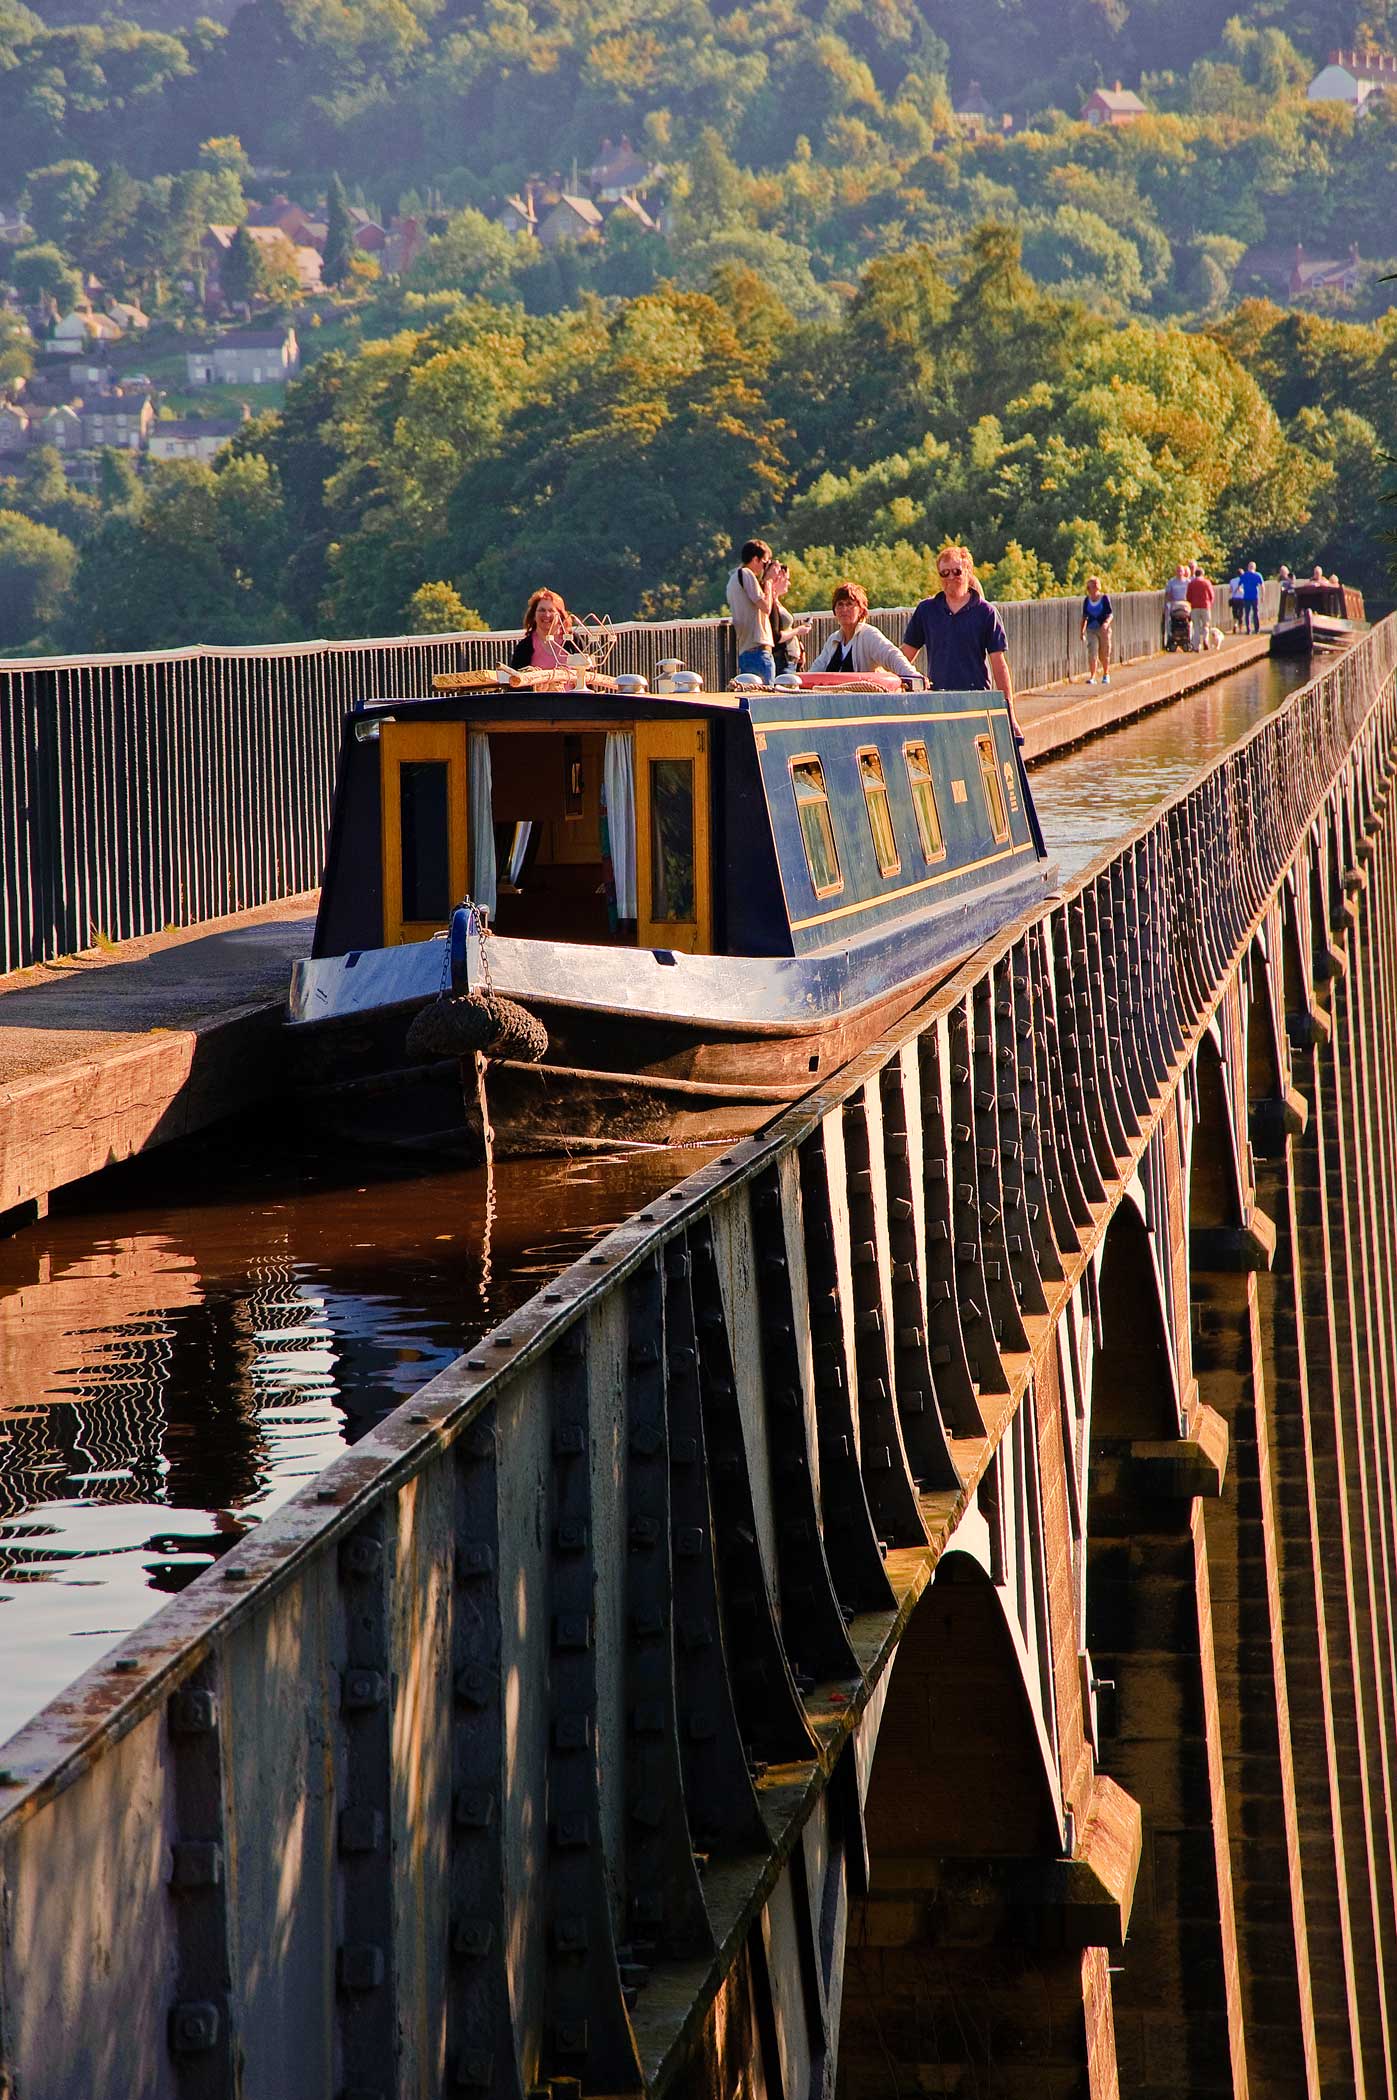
{"x":456,"y":1024}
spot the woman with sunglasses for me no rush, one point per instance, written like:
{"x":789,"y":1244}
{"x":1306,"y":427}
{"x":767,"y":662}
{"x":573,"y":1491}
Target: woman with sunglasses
{"x":962,"y":634}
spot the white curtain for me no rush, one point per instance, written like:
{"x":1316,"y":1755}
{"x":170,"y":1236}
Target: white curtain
{"x":482,"y":823}
{"x":619,"y":788}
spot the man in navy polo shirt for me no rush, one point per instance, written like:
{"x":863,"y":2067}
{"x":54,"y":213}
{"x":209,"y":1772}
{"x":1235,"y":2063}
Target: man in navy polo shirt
{"x":962,"y":634}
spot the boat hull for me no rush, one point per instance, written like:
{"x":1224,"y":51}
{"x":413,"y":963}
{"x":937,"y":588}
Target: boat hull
{"x":609,"y":1078}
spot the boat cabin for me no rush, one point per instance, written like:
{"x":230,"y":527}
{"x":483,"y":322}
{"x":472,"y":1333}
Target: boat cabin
{"x":762,"y":824}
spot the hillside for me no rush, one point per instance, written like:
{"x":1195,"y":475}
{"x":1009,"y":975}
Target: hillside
{"x":871,"y":281}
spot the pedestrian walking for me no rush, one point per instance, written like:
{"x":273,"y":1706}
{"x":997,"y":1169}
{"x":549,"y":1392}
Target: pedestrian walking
{"x":1252,"y":581}
{"x":1200,"y":598}
{"x":1234,"y":601}
{"x":1097,"y":616}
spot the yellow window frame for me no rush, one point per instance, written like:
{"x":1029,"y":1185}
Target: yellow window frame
{"x":416,"y":743}
{"x":817,"y":801}
{"x":684,"y":741}
{"x":994,"y":791}
{"x":874,"y":782}
{"x":928,"y":813}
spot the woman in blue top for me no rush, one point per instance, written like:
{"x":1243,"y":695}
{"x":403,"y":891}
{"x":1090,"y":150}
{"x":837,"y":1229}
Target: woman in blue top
{"x":1097,"y":616}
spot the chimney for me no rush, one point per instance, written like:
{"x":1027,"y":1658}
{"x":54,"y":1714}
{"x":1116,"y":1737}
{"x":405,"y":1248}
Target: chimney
{"x":1118,"y":87}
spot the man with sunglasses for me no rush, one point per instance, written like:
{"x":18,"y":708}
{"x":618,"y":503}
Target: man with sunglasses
{"x":962,"y":634}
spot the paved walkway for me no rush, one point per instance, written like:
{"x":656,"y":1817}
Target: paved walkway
{"x":1057,"y":716}
{"x":108,"y":1052}
{"x":116,"y":1049}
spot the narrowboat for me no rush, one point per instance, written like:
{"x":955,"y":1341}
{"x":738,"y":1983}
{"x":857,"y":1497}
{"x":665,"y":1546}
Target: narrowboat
{"x":708,"y":900}
{"x":1317,"y":616}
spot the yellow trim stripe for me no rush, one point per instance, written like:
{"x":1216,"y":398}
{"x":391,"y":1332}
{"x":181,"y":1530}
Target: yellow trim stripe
{"x":908,"y":889}
{"x":959,"y":714}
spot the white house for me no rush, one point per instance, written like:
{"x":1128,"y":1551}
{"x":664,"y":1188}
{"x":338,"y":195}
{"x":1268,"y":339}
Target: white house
{"x":82,"y":330}
{"x":1352,"y":77}
{"x":192,"y":439}
{"x":245,"y":357}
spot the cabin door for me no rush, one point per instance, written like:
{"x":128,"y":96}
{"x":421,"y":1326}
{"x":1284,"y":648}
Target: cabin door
{"x":673,"y":876}
{"x":423,"y":789}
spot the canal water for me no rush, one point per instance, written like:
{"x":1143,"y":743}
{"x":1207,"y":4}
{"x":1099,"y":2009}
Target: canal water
{"x":184,"y":1341}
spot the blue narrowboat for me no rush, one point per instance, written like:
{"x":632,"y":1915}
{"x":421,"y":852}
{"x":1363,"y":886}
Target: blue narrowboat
{"x":706,"y":900}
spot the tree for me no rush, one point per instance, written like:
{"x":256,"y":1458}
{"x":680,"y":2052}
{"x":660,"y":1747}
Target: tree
{"x":243,"y":272}
{"x":118,"y":483}
{"x":57,"y":198}
{"x":16,"y":356}
{"x":339,"y":244}
{"x":36,"y":568}
{"x":439,"y":608}
{"x":44,"y":272}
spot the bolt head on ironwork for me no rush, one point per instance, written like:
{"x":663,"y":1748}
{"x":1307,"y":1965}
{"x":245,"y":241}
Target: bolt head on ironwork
{"x":193,"y":2027}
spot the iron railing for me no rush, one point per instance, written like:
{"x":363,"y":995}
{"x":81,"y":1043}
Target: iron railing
{"x":374,"y":1803}
{"x":160,"y":790}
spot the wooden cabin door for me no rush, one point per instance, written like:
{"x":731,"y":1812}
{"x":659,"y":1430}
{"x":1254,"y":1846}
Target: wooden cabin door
{"x":674,"y":880}
{"x":423,"y":790}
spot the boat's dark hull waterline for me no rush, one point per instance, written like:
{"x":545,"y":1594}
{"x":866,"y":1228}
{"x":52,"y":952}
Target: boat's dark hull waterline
{"x":617,"y":1074}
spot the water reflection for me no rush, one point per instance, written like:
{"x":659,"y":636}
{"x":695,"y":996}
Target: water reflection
{"x":1094,"y":796}
{"x":179,"y":1368}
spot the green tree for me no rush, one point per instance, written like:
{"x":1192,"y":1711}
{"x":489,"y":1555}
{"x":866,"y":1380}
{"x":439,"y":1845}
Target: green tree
{"x":36,"y":569}
{"x":339,"y":244}
{"x":46,"y":494}
{"x":118,"y":483}
{"x":196,"y":559}
{"x":16,"y":355}
{"x":243,"y":272}
{"x":439,"y":608}
{"x":57,"y":199}
{"x":44,"y":272}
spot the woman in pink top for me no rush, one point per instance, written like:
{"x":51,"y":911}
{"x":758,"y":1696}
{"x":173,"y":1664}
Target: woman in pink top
{"x":544,"y":642}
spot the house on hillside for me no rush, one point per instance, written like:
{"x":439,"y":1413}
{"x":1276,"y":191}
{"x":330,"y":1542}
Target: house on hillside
{"x":117,"y":418}
{"x":1353,"y":77}
{"x":517,"y":214}
{"x":129,"y":318}
{"x":630,"y":210}
{"x":80,"y":330}
{"x":245,"y":357}
{"x":14,"y":430}
{"x":219,"y":239}
{"x":1291,"y":274}
{"x":60,"y":427}
{"x":1115,"y":105}
{"x":406,"y":239}
{"x":619,"y":171}
{"x":572,"y":218}
{"x":972,"y":111}
{"x":193,"y":439}
{"x":366,"y":234}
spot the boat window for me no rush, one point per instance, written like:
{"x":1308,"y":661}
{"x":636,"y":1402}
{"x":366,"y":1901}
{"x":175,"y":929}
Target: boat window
{"x":425,"y":831}
{"x":994,"y":793}
{"x":672,"y":840}
{"x":816,"y":826}
{"x":924,"y":801}
{"x":880,"y":816}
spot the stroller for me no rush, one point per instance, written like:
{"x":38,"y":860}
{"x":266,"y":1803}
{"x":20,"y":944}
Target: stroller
{"x":1178,"y":626}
